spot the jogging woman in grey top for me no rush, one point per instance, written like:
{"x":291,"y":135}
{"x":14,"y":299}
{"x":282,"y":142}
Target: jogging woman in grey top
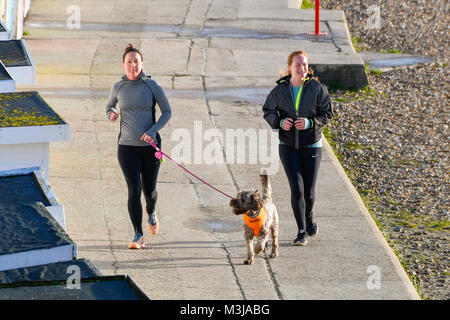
{"x":133,"y":100}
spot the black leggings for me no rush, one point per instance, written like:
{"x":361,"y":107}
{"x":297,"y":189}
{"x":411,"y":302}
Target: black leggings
{"x":301,"y":167}
{"x":140,"y":168}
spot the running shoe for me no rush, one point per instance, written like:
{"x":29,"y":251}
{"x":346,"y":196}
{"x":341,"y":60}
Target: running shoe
{"x":137,"y":243}
{"x":153,"y":224}
{"x":300,"y":240}
{"x":312,"y":229}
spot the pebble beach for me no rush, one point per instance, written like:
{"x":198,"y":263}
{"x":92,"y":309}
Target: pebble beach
{"x":392,"y":137}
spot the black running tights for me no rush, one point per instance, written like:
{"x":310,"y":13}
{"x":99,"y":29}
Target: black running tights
{"x":301,"y":167}
{"x":140,"y":168}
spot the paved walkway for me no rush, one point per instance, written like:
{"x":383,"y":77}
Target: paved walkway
{"x":217,"y":60}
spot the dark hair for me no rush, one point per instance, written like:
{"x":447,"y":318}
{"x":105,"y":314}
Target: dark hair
{"x":130,"y":48}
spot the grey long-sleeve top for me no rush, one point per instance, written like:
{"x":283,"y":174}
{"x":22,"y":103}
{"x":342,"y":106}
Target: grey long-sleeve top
{"x":136,"y":100}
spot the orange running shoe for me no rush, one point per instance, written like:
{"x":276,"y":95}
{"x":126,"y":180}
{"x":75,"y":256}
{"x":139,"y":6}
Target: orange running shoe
{"x":153,"y":224}
{"x":137,"y":243}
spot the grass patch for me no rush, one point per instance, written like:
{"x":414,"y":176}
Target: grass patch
{"x":403,"y":162}
{"x":354,"y":145}
{"x":391,"y":51}
{"x":371,"y":71}
{"x":306,"y":4}
{"x":356,"y":43}
{"x":412,"y":277}
{"x":438,"y":225}
{"x":375,"y":71}
{"x":331,"y":138}
{"x":349,"y":94}
{"x":408,"y":224}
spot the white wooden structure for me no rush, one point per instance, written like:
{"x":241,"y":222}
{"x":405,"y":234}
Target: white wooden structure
{"x":36,"y":227}
{"x":28,"y":146}
{"x":4,"y":32}
{"x":23,"y":72}
{"x":55,"y":209}
{"x":7,"y":83}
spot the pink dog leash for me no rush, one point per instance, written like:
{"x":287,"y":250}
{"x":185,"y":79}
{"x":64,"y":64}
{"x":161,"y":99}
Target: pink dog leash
{"x":160,"y":156}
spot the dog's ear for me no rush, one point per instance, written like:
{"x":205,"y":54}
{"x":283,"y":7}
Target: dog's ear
{"x":237,"y":211}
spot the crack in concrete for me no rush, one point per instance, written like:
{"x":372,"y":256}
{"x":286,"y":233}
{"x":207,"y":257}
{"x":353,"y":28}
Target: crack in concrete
{"x":206,"y":13}
{"x":188,"y":9}
{"x":205,"y":97}
{"x":270,"y":272}
{"x":233,"y":269}
{"x":211,"y":117}
{"x":272,"y":277}
{"x":188,"y":57}
{"x":333,"y":39}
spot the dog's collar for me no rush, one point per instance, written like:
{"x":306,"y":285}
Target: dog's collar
{"x":255,"y":223}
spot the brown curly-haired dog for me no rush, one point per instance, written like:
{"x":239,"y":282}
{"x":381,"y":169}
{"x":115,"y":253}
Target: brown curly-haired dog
{"x":260,"y":219}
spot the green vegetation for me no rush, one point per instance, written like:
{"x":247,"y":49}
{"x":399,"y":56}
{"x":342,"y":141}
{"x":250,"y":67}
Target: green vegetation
{"x":355,"y":42}
{"x":306,"y":4}
{"x":331,"y":138}
{"x":349,"y":94}
{"x":375,"y":71}
{"x":371,"y":71}
{"x":22,"y":109}
{"x":438,"y":225}
{"x":355,"y":145}
{"x":406,"y":267}
{"x":391,"y":51}
{"x":23,"y":118}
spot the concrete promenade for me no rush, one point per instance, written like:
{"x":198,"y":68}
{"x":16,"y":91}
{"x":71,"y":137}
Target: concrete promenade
{"x":216,"y":61}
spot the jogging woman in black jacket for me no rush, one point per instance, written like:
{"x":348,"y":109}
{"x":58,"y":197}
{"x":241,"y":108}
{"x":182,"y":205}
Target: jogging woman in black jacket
{"x":299,"y":106}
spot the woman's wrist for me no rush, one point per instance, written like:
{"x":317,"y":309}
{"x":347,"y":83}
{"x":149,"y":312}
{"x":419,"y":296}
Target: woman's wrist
{"x":307,"y":123}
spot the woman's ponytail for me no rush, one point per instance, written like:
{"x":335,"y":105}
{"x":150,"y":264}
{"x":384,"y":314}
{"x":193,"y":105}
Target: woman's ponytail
{"x":130,"y":48}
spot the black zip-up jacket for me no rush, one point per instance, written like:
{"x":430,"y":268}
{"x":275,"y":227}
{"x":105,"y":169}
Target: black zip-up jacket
{"x":315,"y":104}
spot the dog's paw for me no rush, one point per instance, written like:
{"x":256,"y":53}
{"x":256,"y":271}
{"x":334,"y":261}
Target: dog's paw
{"x":258,"y":248}
{"x":248,"y":261}
{"x":273,"y":255}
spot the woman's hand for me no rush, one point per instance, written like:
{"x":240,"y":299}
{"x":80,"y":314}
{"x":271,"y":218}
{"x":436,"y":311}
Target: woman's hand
{"x":147,"y":138}
{"x":113,"y":116}
{"x":300,"y":124}
{"x":287,"y":124}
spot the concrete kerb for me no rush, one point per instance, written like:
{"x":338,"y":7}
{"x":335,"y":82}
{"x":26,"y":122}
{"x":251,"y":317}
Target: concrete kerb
{"x":412,"y":292}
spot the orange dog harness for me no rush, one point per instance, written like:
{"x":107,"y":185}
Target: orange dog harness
{"x":255,"y":223}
